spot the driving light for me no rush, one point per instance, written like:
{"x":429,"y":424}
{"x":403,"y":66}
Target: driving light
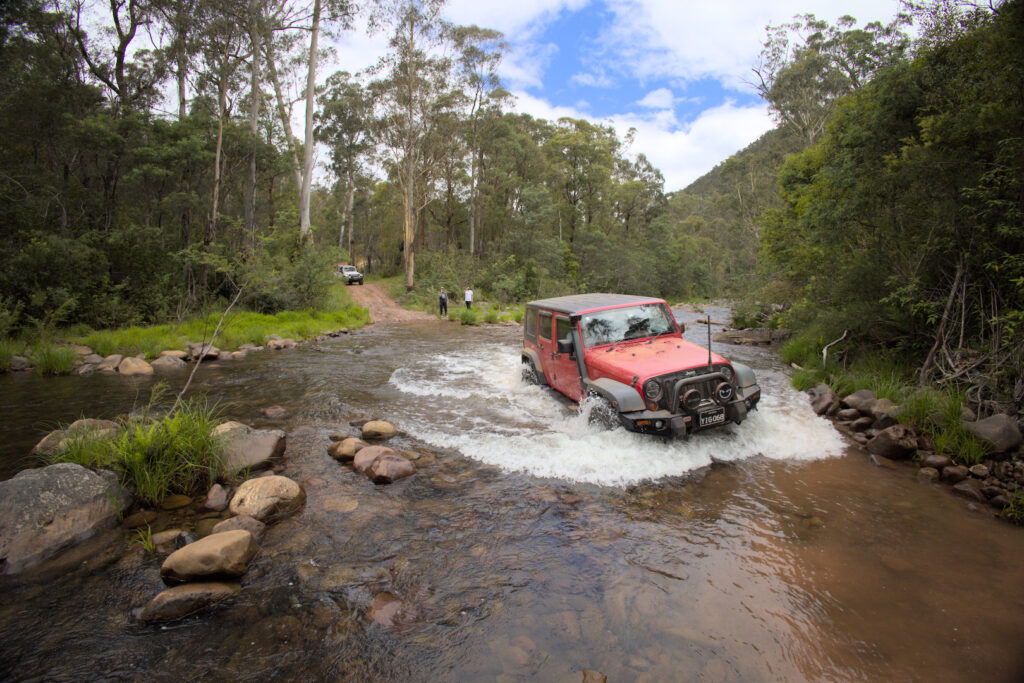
{"x":723,"y":392}
{"x":691,"y":399}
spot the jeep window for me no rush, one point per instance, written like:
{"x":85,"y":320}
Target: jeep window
{"x":531,"y":324}
{"x":545,"y":326}
{"x":562,"y":329}
{"x":622,"y":324}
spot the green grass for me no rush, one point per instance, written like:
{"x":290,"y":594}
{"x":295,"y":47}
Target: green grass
{"x":144,"y":539}
{"x":239,"y":328}
{"x":491,"y":316}
{"x":470,"y":316}
{"x":1014,"y":512}
{"x":934,"y":413}
{"x":8,"y":349}
{"x":52,"y":359}
{"x":155,"y":459}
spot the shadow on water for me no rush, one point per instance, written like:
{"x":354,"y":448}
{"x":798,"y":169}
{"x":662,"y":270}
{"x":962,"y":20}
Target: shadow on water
{"x":531,"y":546}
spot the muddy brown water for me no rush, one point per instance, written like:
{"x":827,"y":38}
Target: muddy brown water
{"x":531,"y":546}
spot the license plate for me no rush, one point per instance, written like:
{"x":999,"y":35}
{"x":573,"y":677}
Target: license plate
{"x":712,"y":417}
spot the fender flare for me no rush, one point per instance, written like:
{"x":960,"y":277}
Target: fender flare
{"x":625,"y":397}
{"x":744,"y":375}
{"x":532,"y":357}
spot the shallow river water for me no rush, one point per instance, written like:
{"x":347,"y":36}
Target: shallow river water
{"x":532,"y":546}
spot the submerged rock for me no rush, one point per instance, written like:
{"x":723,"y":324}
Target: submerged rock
{"x":268,"y":498}
{"x":46,"y":510}
{"x":248,"y":448}
{"x":223,"y":554}
{"x":180,"y":601}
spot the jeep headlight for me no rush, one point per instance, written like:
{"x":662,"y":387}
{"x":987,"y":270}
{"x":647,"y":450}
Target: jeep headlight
{"x":728,"y":373}
{"x":652,"y":390}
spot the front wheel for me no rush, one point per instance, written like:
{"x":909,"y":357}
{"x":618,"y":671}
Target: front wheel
{"x":603,"y":414}
{"x":360,"y":283}
{"x":530,"y":373}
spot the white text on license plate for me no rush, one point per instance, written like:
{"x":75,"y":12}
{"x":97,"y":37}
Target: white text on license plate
{"x":712,"y":417}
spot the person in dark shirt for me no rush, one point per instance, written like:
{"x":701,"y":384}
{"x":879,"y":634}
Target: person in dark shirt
{"x":443,"y":301}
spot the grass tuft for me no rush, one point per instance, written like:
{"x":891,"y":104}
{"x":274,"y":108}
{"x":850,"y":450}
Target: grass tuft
{"x":52,"y":359}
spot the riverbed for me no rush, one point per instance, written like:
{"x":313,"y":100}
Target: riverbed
{"x":531,"y":545}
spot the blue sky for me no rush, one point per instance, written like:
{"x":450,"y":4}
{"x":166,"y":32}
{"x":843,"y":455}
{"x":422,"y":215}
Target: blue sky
{"x":675,"y":70}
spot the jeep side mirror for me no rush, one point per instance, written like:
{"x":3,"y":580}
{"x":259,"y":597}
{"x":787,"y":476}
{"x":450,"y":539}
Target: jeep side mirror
{"x":565,"y":345}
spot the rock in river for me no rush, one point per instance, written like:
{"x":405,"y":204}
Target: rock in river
{"x":253,"y":526}
{"x":180,"y":601}
{"x":378,"y":430}
{"x":346,"y":450}
{"x":224,"y":554}
{"x":896,"y":443}
{"x":46,"y":510}
{"x":268,"y":498}
{"x":245,"y":447}
{"x":134,"y":366}
{"x":58,"y":439}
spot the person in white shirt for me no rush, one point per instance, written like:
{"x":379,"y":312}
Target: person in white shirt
{"x":469,"y":298}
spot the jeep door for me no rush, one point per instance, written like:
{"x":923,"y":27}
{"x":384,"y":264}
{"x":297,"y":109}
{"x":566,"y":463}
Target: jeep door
{"x":564,"y":370}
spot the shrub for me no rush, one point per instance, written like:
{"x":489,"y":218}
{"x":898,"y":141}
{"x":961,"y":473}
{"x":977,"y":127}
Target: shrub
{"x":470,"y":316}
{"x":492,"y":316}
{"x":1014,"y":511}
{"x":177,"y":454}
{"x":53,"y":359}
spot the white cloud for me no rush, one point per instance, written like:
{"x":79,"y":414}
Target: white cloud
{"x":671,"y":39}
{"x":658,"y":99}
{"x":682,"y":153}
{"x":592,"y":80}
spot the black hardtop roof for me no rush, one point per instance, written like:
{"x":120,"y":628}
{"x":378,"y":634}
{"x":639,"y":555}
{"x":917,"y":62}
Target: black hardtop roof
{"x":577,"y":303}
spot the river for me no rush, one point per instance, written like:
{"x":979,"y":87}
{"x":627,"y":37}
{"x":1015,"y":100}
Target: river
{"x":530,"y":545}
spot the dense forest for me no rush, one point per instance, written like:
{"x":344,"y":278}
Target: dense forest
{"x":887,"y":203}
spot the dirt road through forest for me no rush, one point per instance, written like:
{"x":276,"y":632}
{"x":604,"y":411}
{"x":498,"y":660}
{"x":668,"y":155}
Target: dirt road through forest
{"x":383,"y":308}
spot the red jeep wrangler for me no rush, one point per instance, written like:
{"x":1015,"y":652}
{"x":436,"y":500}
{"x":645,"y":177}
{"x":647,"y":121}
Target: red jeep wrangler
{"x":629,"y":353}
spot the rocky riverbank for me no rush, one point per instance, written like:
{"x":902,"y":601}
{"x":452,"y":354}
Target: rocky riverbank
{"x":48,"y":513}
{"x":995,"y":483}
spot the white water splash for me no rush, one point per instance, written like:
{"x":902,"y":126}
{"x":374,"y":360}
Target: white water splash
{"x":474,"y":401}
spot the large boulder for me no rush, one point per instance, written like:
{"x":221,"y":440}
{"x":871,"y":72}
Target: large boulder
{"x":134,"y":366}
{"x":180,"y":601}
{"x":861,"y":400}
{"x":378,"y":430}
{"x":896,"y":443}
{"x":267,"y":498}
{"x":248,"y":448}
{"x":46,"y":510}
{"x":168,"y":364}
{"x":225,"y":554}
{"x":58,"y":439}
{"x":824,"y":400}
{"x":999,"y":432}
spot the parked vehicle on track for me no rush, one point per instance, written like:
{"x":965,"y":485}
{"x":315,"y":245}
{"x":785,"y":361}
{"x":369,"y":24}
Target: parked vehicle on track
{"x":629,"y":355}
{"x":350,"y":275}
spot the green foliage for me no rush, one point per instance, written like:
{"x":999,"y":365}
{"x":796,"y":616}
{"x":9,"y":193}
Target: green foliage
{"x":8,"y":349}
{"x":467,"y":316}
{"x":1014,"y":511}
{"x":49,"y":358}
{"x":144,"y":539}
{"x":491,"y":315}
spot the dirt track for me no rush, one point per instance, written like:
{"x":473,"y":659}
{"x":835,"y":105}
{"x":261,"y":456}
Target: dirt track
{"x":383,"y":308}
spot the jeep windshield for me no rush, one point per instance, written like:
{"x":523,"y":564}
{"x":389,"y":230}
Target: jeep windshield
{"x":623,"y":324}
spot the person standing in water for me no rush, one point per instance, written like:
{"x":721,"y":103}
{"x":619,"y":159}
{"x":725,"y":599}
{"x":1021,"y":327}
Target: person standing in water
{"x":469,"y":298}
{"x":443,"y":302}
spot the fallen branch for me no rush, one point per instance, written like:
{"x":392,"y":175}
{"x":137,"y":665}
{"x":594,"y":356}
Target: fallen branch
{"x":202,"y":354}
{"x":824,"y":351}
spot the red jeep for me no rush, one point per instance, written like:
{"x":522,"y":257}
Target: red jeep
{"x":628,"y":352}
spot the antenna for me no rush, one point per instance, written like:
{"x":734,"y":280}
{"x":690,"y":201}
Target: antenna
{"x":708,"y":321}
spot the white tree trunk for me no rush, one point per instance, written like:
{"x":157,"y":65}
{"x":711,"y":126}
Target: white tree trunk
{"x":307,"y":152}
